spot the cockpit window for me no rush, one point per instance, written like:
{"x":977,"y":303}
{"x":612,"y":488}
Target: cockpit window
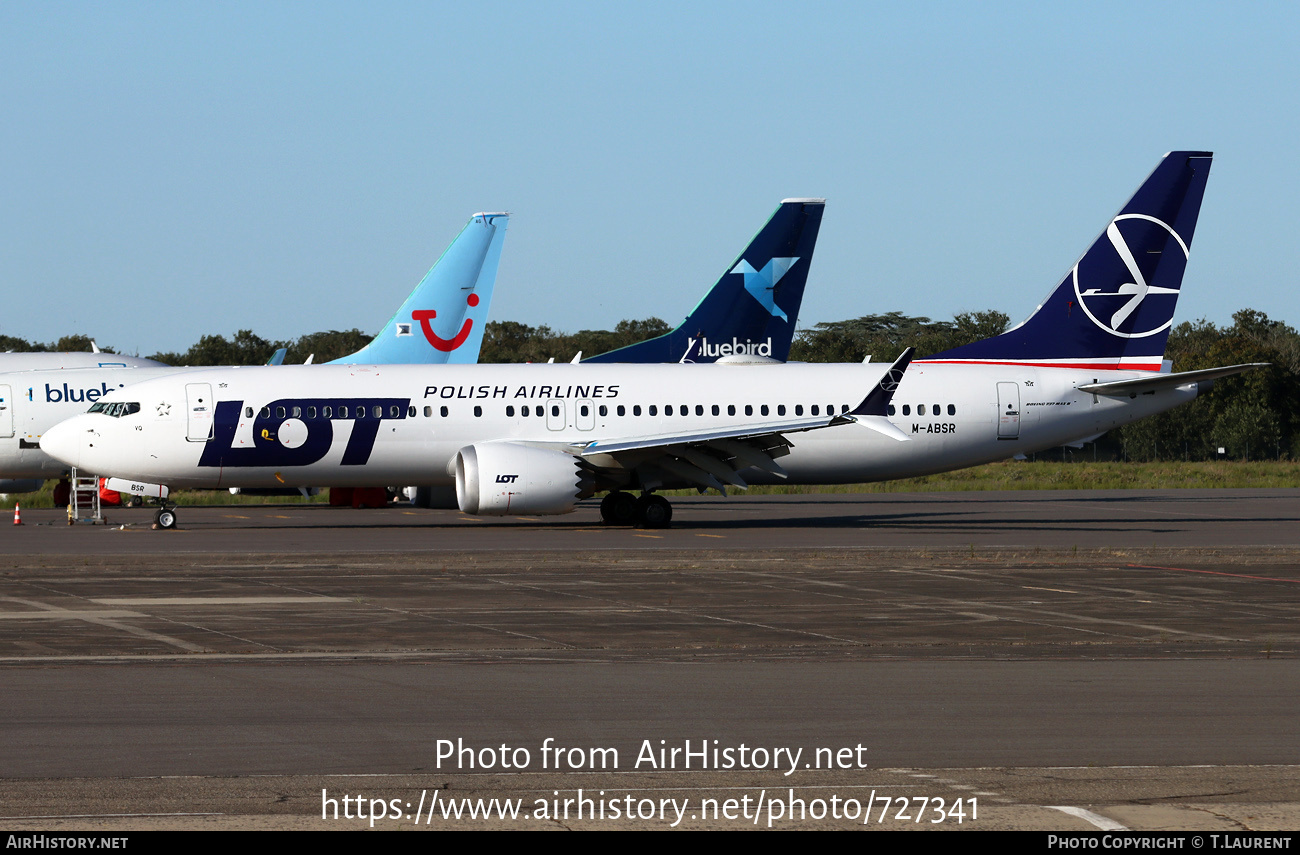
{"x":115,"y":409}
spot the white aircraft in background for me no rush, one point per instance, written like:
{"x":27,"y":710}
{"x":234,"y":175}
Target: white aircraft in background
{"x":441,"y":322}
{"x":36,"y":360}
{"x":522,"y":439}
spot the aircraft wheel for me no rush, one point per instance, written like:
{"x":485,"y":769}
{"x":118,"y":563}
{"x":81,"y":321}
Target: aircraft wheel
{"x":165,"y":519}
{"x":619,"y":508}
{"x":654,"y":512}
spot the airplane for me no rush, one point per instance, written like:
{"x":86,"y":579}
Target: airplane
{"x":441,"y":322}
{"x":1089,"y":359}
{"x":749,"y":315}
{"x":37,"y":360}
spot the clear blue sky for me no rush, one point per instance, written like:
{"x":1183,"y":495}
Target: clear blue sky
{"x":172,"y":169}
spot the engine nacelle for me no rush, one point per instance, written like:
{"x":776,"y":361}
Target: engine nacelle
{"x":501,"y":478}
{"x":21,"y":485}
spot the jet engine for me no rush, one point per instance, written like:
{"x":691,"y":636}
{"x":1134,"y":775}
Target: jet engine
{"x":500,"y":478}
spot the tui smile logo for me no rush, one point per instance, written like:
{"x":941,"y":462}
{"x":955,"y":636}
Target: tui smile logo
{"x":1116,"y":311}
{"x":761,"y":284}
{"x":446,"y":345}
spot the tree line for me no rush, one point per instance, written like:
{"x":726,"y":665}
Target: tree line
{"x":1252,"y":416}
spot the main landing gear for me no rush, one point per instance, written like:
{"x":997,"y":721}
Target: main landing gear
{"x":648,"y":511}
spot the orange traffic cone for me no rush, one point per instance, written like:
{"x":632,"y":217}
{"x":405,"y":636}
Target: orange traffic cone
{"x":18,"y":517}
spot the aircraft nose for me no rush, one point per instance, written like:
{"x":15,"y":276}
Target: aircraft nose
{"x":63,"y":441}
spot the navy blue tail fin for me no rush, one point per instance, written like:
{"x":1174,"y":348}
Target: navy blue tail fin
{"x":1115,"y":307}
{"x":752,"y":310}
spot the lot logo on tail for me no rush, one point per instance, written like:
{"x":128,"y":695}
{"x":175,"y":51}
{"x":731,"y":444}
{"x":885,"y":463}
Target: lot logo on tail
{"x":761,"y":284}
{"x":446,"y":345}
{"x":1114,"y":311}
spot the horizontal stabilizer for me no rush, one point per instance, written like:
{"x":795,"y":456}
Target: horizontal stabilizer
{"x":1156,"y":382}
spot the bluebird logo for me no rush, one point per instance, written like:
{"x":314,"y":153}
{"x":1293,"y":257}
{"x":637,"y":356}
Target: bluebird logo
{"x":67,"y":394}
{"x":761,"y":284}
{"x":735,"y":347}
{"x":1116,"y":311}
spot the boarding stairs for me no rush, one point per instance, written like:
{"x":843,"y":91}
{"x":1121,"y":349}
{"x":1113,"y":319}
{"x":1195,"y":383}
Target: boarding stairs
{"x":83,"y":504}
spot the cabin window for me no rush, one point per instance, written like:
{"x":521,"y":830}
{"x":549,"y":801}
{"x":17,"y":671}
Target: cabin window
{"x":763,"y":409}
{"x":478,"y":412}
{"x":749,"y":409}
{"x":717,"y":410}
{"x":394,"y":411}
{"x":668,"y":410}
{"x":891,"y":409}
{"x":248,"y":411}
{"x":798,"y":409}
{"x":377,"y":411}
{"x":654,"y":411}
{"x":920,"y":409}
{"x":636,"y":409}
{"x":622,"y":410}
{"x":952,"y":409}
{"x":907,"y":409}
{"x":428,"y":412}
{"x":731,"y":409}
{"x":816,"y":410}
{"x":410,"y":412}
{"x":699,"y":409}
{"x":443,"y":411}
{"x":279,"y":412}
{"x":266,"y":412}
{"x":297,"y":412}
{"x":510,"y":412}
{"x":311,"y":412}
{"x":604,"y":410}
{"x":780,"y":409}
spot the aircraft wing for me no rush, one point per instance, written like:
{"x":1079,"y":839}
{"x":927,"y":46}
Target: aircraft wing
{"x":1143,"y":385}
{"x":709,"y":458}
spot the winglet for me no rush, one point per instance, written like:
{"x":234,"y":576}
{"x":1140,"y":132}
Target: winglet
{"x":277,"y":358}
{"x":877,"y":401}
{"x":873,"y":412}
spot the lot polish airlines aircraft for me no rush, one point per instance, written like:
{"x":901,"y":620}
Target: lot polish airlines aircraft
{"x":440,"y":322}
{"x":525,"y":439}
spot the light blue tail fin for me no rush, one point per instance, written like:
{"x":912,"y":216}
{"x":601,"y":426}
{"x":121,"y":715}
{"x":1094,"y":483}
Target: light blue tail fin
{"x":442,"y":321}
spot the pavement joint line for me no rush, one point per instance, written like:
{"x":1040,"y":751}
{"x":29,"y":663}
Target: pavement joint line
{"x":1088,"y":816}
{"x":697,"y":615}
{"x":956,"y":603}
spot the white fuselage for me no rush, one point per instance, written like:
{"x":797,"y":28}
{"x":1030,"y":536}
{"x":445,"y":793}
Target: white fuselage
{"x":32,"y":402}
{"x":954,"y":416}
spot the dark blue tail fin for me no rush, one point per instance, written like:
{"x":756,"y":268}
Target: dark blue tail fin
{"x":1115,"y":307}
{"x":752,"y":310}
